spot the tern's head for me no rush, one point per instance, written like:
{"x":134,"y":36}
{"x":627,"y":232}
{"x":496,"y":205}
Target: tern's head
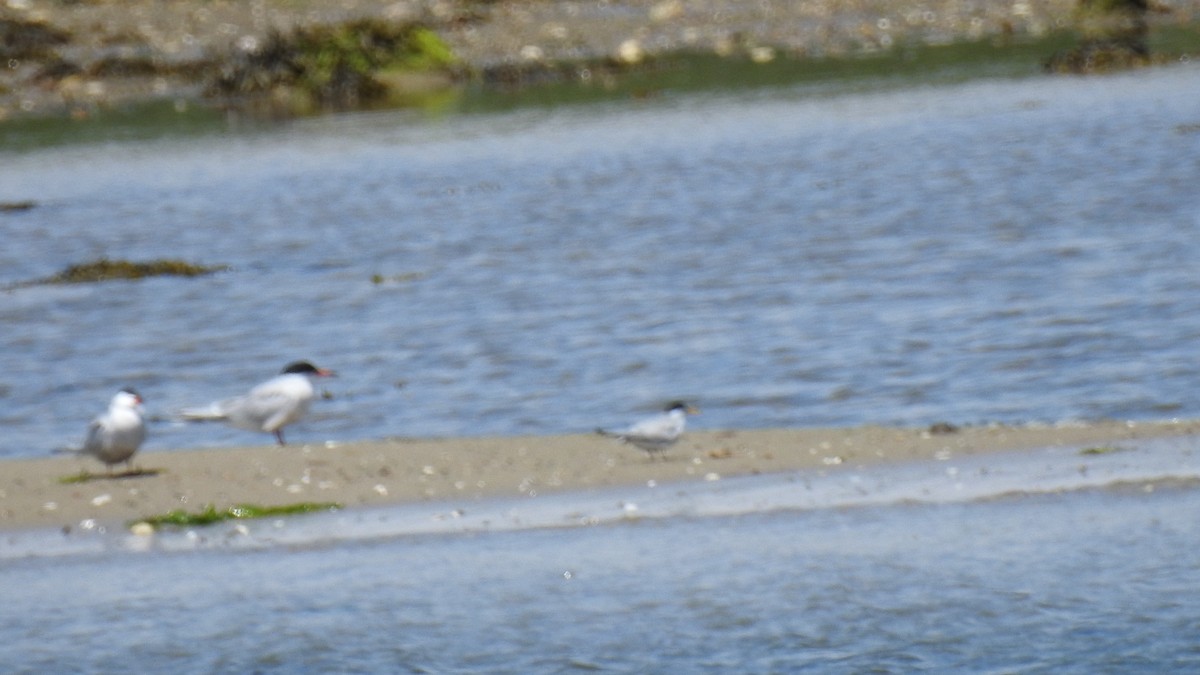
{"x":127,"y":398}
{"x":682,"y":406}
{"x":306,"y":368}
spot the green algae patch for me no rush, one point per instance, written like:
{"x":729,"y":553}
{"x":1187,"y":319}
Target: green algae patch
{"x":210,"y":514}
{"x":109,"y":270}
{"x":87,"y":476}
{"x":1102,"y":450}
{"x":1116,"y":35}
{"x":345,"y":66}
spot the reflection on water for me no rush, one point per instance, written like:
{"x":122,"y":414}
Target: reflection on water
{"x":1001,"y":250}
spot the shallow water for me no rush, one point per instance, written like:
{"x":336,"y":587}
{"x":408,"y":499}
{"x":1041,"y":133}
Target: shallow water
{"x":993,"y":251}
{"x":935,"y":567}
{"x":1006,"y":250}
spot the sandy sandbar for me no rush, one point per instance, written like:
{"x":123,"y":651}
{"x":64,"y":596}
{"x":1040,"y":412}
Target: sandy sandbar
{"x":462,"y":470}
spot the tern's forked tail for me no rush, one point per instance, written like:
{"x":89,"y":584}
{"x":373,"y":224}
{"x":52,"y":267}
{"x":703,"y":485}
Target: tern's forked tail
{"x":208,"y":413}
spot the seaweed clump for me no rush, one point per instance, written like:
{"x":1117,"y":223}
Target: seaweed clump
{"x":21,"y":39}
{"x":1115,"y":36}
{"x":87,"y":477}
{"x":110,"y":270}
{"x":340,"y":67}
{"x":16,"y":207}
{"x":107,"y":270}
{"x":1101,"y":450}
{"x":210,"y":514}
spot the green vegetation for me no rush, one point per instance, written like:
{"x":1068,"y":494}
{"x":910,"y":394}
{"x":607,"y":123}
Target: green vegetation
{"x":903,"y":65}
{"x":343,"y":66}
{"x":1101,"y":450}
{"x":211,"y":514}
{"x":549,"y":85}
{"x":86,"y":476}
{"x":1115,"y":35}
{"x":105,"y":270}
{"x":108,"y":270}
{"x":141,"y":121}
{"x":371,"y":64}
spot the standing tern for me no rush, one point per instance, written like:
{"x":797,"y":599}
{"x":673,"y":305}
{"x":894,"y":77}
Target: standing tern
{"x":116,"y":435}
{"x":269,"y":406}
{"x":656,"y":434}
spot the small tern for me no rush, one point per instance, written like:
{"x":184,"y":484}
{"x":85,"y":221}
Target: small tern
{"x":116,"y":435}
{"x":269,"y":406}
{"x":656,"y":434}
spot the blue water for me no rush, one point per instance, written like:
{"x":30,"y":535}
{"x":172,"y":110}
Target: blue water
{"x":994,"y":251}
{"x":939,"y":566}
{"x":1000,"y":250}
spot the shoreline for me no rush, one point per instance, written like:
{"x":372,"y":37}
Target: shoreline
{"x":77,"y":58}
{"x":459,"y":471}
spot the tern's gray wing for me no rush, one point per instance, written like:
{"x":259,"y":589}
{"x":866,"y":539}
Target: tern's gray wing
{"x":94,"y":441}
{"x":114,"y":439}
{"x":272,"y":404}
{"x":258,"y":411}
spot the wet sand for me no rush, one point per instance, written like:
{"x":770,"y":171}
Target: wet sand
{"x":458,"y":471}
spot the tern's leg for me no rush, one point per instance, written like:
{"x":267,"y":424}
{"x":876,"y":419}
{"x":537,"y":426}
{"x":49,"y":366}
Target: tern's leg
{"x":279,"y":436}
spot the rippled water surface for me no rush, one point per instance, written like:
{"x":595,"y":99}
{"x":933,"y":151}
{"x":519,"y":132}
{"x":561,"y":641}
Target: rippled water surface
{"x":994,"y":251}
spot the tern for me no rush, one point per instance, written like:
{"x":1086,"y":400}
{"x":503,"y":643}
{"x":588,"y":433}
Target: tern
{"x":116,"y":435}
{"x":270,"y":406}
{"x":656,"y":434}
